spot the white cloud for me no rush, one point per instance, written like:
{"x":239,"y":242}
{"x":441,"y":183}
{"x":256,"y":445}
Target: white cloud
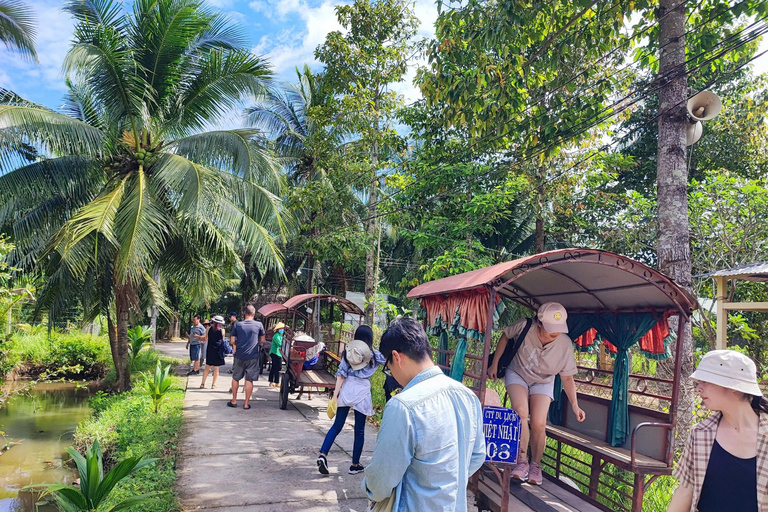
{"x":296,"y":46}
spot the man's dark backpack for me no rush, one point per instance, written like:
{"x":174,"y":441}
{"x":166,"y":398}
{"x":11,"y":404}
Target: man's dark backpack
{"x":510,"y":350}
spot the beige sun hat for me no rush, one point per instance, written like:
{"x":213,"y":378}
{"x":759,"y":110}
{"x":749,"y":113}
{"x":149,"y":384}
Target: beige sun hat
{"x":729,"y":369}
{"x":218,"y":319}
{"x":358,"y":354}
{"x":278,"y":326}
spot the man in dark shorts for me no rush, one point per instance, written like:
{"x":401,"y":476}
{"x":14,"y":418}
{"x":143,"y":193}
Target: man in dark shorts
{"x":246,"y":339}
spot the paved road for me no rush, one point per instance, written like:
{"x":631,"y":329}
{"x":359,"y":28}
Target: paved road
{"x":263,"y":459}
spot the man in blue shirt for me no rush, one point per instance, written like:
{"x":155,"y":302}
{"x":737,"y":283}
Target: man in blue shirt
{"x":431,"y":438}
{"x":246,"y":339}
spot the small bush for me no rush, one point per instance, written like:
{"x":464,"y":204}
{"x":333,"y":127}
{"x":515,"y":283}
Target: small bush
{"x":73,"y":355}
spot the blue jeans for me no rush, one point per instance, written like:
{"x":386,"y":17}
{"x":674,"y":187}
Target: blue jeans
{"x":341,"y":417}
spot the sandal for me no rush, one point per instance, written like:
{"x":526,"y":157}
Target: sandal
{"x":202,"y":386}
{"x":213,"y":387}
{"x":230,"y":404}
{"x":246,"y":407}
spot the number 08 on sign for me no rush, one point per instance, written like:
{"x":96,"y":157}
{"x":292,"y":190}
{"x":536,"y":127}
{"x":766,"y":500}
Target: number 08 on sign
{"x":502,"y":434}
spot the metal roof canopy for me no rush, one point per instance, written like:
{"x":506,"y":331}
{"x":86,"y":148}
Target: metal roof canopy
{"x":752,"y":272}
{"x":582,"y":280}
{"x":268,"y":310}
{"x":346,"y":305}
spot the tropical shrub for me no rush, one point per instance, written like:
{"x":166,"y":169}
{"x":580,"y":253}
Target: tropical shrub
{"x":95,"y":487}
{"x":159,"y":386}
{"x":139,"y":337}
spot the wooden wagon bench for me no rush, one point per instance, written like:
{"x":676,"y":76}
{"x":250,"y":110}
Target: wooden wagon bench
{"x":607,"y":296}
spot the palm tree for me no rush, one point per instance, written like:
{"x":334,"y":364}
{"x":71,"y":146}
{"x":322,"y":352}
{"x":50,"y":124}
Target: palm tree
{"x":312,"y":148}
{"x":131,"y":183}
{"x":17,"y":27}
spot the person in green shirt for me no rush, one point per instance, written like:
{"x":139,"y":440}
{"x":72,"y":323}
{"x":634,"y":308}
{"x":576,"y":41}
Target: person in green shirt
{"x":274,"y":354}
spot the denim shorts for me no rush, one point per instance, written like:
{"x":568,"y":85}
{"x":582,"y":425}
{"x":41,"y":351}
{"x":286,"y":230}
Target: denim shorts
{"x":194,"y":352}
{"x":547,"y":389}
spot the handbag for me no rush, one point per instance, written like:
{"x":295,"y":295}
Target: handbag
{"x":386,"y":505}
{"x":510,"y":350}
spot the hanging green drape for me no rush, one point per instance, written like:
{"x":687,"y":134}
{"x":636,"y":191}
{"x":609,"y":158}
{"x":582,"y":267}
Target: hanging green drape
{"x":623,"y":330}
{"x":577,"y":325}
{"x":442,"y":358}
{"x":457,"y":366}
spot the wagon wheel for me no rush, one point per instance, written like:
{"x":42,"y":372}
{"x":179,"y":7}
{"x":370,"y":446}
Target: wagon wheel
{"x":284,"y":392}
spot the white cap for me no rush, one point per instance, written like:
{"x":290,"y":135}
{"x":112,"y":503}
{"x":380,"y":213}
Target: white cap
{"x":358,"y":354}
{"x":553,"y":317}
{"x":729,"y":369}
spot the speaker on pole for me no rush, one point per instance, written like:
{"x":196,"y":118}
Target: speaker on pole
{"x":704,"y":106}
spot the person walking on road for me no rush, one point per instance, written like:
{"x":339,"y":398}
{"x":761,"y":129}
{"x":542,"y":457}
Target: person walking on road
{"x":274,"y":354}
{"x":431,"y":437}
{"x":215,"y":347}
{"x":204,"y":347}
{"x":353,"y":391}
{"x":246,"y":339}
{"x":196,"y":337}
{"x":724,"y":465}
{"x":545,"y":351}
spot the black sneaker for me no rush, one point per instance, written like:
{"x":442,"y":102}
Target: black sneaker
{"x":322,"y":464}
{"x":191,"y":372}
{"x":354,"y":469}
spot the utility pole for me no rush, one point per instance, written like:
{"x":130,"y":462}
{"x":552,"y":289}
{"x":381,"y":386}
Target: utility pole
{"x":673,"y":245}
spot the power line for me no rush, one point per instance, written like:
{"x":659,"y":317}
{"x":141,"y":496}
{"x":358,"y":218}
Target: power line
{"x":622,"y":105}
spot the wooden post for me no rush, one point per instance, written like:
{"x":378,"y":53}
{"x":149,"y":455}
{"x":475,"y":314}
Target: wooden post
{"x":722,"y":314}
{"x":487,"y":343}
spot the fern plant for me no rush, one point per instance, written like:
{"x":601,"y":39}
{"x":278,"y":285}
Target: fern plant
{"x":95,"y":486}
{"x":159,"y":386}
{"x":139,"y":336}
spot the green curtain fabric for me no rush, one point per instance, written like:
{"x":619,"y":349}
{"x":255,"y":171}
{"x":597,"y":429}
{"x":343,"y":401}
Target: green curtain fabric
{"x":623,"y":330}
{"x":443,"y":345}
{"x":457,"y":367}
{"x":577,"y":325}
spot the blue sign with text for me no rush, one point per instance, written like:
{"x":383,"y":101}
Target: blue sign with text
{"x":502,"y":434}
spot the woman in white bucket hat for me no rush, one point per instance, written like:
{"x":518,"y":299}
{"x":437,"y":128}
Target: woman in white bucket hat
{"x":724,"y":465}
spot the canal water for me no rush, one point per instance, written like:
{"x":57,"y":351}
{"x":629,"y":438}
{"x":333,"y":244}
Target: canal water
{"x":39,"y":424}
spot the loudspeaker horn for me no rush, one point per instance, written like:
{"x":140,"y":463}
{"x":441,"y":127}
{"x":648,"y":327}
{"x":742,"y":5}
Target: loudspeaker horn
{"x":693,"y":133}
{"x":704,"y":106}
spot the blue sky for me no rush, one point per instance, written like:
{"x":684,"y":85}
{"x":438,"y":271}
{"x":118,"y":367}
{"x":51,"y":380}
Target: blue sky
{"x":285,"y":31}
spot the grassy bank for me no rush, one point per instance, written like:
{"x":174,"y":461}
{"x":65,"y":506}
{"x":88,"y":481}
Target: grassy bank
{"x":33,"y":353}
{"x":125,"y":425}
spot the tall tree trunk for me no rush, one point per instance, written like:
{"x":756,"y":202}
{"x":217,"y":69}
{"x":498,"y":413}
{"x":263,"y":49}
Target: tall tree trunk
{"x":311,"y":273}
{"x":122,"y":302}
{"x":370,"y":255}
{"x":155,"y":310}
{"x":113,"y":349}
{"x":673,"y":247}
{"x":540,"y":240}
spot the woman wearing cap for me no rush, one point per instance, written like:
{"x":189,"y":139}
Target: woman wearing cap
{"x":724,"y":465}
{"x":353,"y":390}
{"x":545,"y":352}
{"x":214,"y":356}
{"x":274,"y":354}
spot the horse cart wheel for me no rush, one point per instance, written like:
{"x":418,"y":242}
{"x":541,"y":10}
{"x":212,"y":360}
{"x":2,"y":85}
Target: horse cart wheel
{"x":284,"y":391}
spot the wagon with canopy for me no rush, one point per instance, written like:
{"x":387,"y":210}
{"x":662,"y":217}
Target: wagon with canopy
{"x":302,"y":312}
{"x":615,"y":304}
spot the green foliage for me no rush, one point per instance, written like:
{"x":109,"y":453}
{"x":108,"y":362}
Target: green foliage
{"x":17,"y":27}
{"x":129,"y":182}
{"x":73,"y":355}
{"x":139,"y":336}
{"x":160,"y":384}
{"x":126,"y":426}
{"x":95,"y":487}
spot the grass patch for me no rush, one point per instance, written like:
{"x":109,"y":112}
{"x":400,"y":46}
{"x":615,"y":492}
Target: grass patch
{"x":126,"y":426}
{"x":73,"y":355}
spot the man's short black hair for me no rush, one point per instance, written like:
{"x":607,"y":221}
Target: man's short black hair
{"x":198,"y":317}
{"x":407,"y":336}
